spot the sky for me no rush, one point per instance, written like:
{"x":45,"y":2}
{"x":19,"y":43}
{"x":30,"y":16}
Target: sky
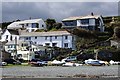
{"x":57,"y":10}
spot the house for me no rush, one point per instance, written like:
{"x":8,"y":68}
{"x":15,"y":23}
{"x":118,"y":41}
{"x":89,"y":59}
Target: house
{"x":23,"y":49}
{"x":115,"y":43}
{"x":19,"y":49}
{"x":90,"y":22}
{"x":62,"y":39}
{"x":28,"y":25}
{"x":9,"y":35}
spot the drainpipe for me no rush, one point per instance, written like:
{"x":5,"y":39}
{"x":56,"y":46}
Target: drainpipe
{"x":15,"y":56}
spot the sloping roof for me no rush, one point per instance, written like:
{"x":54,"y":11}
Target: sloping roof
{"x":16,"y":24}
{"x":15,"y":32}
{"x":50,"y":33}
{"x":30,"y":21}
{"x":81,"y":17}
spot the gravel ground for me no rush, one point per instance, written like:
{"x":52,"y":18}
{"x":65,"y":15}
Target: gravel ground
{"x":58,"y":71}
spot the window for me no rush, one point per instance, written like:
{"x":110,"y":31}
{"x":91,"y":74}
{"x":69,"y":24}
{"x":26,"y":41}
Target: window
{"x":24,"y":44}
{"x":54,"y":44}
{"x":35,"y":25}
{"x":65,"y":44}
{"x":55,"y":37}
{"x":47,"y":44}
{"x":6,"y":36}
{"x":9,"y":46}
{"x":50,"y":38}
{"x":85,"y":21}
{"x":35,"y":37}
{"x":11,"y":38}
{"x":35,"y":42}
{"x":27,"y":24}
{"x":66,"y":37}
{"x":45,"y":37}
{"x":28,"y":38}
{"x":42,"y":25}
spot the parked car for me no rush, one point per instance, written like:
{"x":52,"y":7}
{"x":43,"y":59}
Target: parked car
{"x":94,"y":62}
{"x":114,"y":62}
{"x":12,"y":61}
{"x":70,"y":64}
{"x":70,"y":58}
{"x":57,"y":63}
{"x":37,"y":62}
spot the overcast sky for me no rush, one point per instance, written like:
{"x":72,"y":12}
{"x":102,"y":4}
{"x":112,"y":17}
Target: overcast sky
{"x":57,"y":10}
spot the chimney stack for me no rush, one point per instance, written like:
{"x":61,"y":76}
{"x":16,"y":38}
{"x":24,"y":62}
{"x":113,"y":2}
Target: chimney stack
{"x":92,"y":14}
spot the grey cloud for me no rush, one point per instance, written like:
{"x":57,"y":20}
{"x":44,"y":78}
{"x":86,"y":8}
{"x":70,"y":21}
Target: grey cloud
{"x":60,"y":10}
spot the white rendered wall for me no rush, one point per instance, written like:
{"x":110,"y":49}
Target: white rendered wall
{"x":60,"y":40}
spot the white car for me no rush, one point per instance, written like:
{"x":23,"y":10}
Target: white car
{"x":94,"y":62}
{"x":56,"y":62}
{"x":114,"y":62}
{"x":70,"y":58}
{"x":69,"y":64}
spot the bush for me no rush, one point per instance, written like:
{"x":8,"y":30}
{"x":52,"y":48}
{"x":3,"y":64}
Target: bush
{"x":82,"y":33}
{"x":117,"y":32}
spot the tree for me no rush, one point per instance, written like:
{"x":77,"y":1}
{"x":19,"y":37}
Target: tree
{"x":83,"y":33}
{"x":57,"y":25}
{"x":49,"y":23}
{"x":4,"y":25}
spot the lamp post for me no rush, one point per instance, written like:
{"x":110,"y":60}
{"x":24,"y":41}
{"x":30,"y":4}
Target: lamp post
{"x":96,"y":51}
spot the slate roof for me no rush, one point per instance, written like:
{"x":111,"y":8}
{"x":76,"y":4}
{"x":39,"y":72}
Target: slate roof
{"x":80,"y":17}
{"x":50,"y":33}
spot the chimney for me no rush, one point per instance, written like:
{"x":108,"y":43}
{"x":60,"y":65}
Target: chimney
{"x":92,"y":14}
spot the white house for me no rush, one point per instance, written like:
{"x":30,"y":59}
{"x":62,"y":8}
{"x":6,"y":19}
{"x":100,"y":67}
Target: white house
{"x":90,"y":22}
{"x":29,"y":25}
{"x":19,"y":49}
{"x":9,"y":35}
{"x":62,"y":39}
